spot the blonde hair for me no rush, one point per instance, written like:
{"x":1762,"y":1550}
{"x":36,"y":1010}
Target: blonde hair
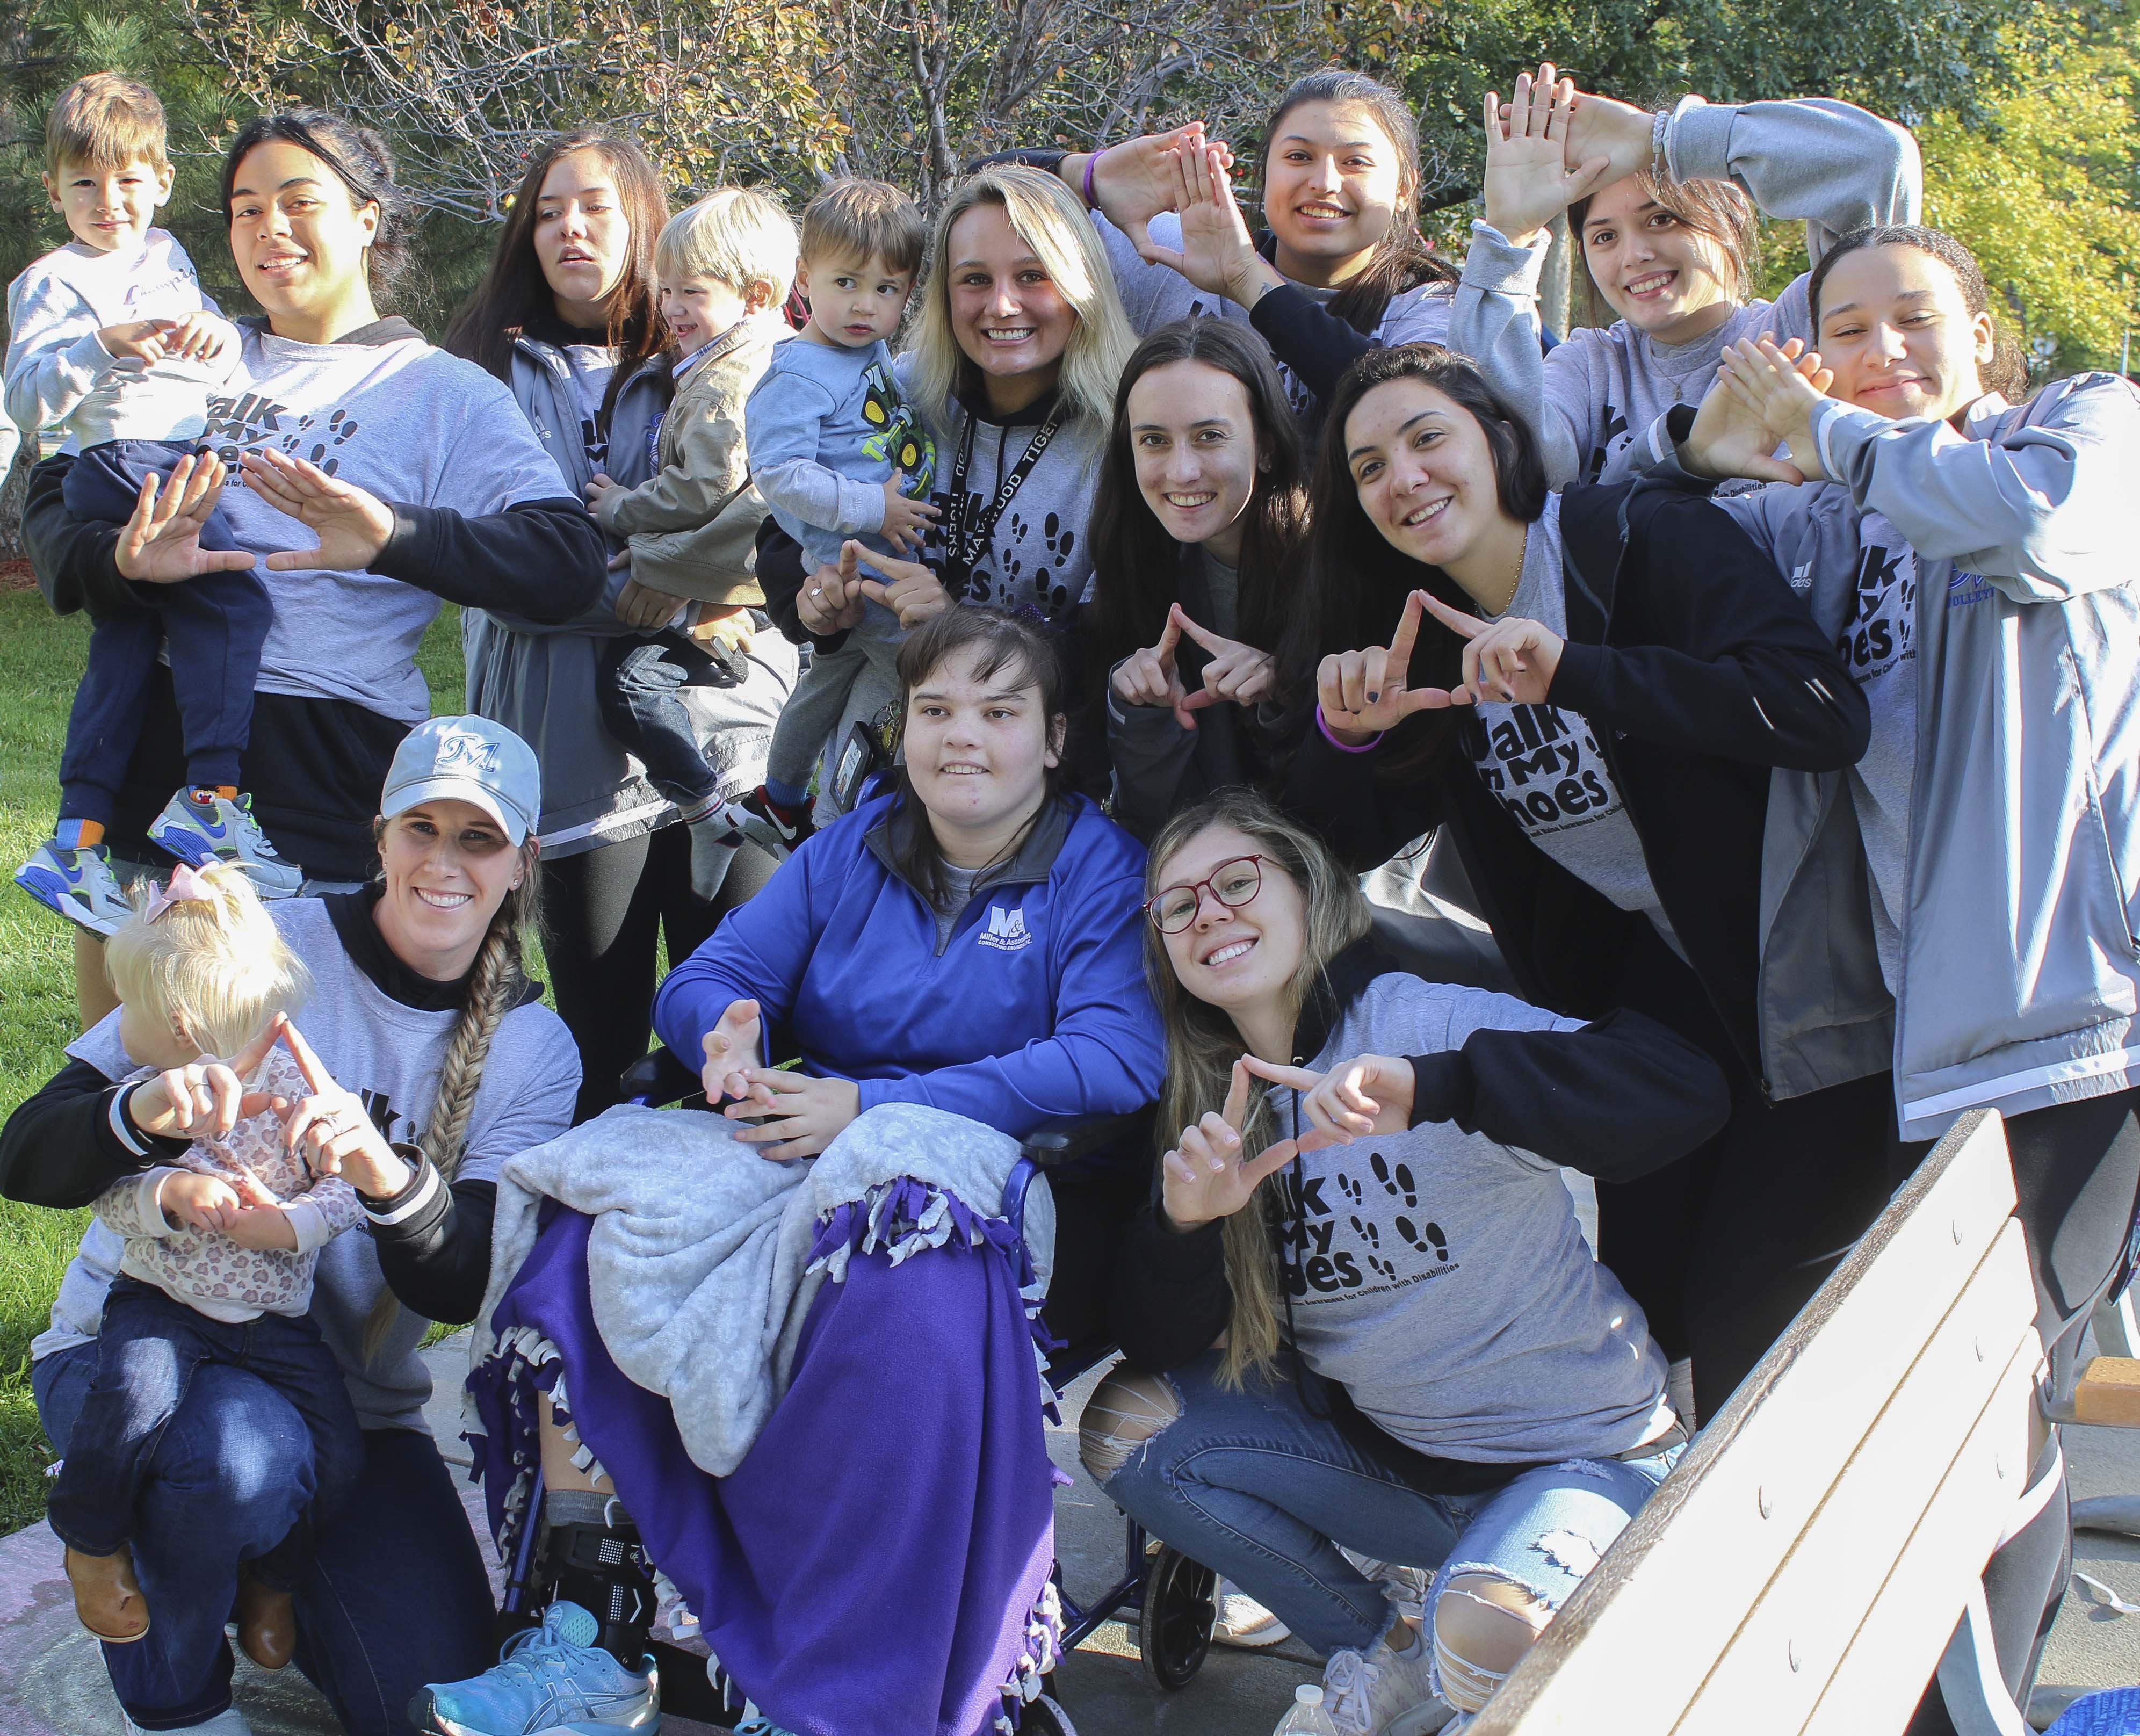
{"x":865,"y":220}
{"x":735,"y":235}
{"x":215,"y":969}
{"x":497,"y":981}
{"x":1046,"y":216}
{"x":1203,"y":1044}
{"x":106,"y":121}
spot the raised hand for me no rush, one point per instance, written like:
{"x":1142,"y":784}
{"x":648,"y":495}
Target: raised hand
{"x":1729,"y":436}
{"x":160,"y":544}
{"x":1218,"y":253}
{"x":831,"y":599}
{"x":733,"y":1047}
{"x":1619,"y":132}
{"x":333,"y":1130}
{"x":352,"y":525}
{"x":1368,"y":1094}
{"x":1205,"y":1176}
{"x":1134,"y":181}
{"x":1239,"y":673}
{"x":1361,"y":693}
{"x":905,"y":520}
{"x":1783,"y":388}
{"x":205,"y":1099}
{"x":1148,"y":677}
{"x":1511,"y":660}
{"x":910,"y":590}
{"x":1532,"y":176}
{"x":793,"y":1114}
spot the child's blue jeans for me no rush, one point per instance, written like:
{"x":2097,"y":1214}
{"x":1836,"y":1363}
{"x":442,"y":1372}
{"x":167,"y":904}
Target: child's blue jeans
{"x":148,"y":1353}
{"x":214,"y":626}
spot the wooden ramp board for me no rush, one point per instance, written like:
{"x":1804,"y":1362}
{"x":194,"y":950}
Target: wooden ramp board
{"x":1922,"y":1340}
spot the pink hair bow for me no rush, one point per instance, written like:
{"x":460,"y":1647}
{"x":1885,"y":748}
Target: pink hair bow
{"x":187,"y":886}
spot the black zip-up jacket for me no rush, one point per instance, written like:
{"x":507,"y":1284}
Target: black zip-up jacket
{"x":71,"y":1140}
{"x":1700,"y":669}
{"x":314,"y":767}
{"x":1616,"y":1100}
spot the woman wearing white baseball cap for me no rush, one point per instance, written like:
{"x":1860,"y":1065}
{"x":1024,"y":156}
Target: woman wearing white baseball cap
{"x":432,"y":1060}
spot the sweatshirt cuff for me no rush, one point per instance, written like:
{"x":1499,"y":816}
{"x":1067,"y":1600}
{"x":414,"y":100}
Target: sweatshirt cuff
{"x":1185,"y":1257}
{"x":127,"y":1144}
{"x":148,"y":1202}
{"x":410,"y":548}
{"x":86,"y":359}
{"x":1839,"y":431}
{"x":424,"y":1193}
{"x":1698,"y":139}
{"x":1498,"y":266}
{"x":311,"y":1224}
{"x":1440,"y":1086}
{"x":1577,"y":679}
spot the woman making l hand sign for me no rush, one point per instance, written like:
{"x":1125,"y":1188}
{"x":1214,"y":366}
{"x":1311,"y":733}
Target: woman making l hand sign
{"x":1608,"y":678}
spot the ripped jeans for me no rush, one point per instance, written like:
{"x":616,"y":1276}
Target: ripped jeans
{"x":1250,"y":1484}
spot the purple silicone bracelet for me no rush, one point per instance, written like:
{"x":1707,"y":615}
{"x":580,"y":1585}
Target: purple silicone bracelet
{"x":1368,"y":746}
{"x":1091,"y":163}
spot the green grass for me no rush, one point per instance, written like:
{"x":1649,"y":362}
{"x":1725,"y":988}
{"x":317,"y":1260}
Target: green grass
{"x":40,"y":660}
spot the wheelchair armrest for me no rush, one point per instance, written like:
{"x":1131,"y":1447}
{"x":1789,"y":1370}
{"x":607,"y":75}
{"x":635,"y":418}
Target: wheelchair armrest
{"x":1054,"y":1144}
{"x":658,"y":1078}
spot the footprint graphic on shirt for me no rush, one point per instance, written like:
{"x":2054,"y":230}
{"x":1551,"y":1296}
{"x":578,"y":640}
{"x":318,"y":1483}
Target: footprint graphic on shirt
{"x":1382,"y":1268}
{"x":1398,"y":1184}
{"x":1061,"y":539}
{"x":1350,"y":1189}
{"x":1424,"y":1234}
{"x":1370,"y":1233}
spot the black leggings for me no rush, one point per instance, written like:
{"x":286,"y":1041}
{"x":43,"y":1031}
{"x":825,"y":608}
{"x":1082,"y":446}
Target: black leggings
{"x":1795,"y":1187}
{"x":603,"y":911}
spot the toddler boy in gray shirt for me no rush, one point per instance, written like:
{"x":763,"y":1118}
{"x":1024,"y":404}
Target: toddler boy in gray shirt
{"x":836,"y":452}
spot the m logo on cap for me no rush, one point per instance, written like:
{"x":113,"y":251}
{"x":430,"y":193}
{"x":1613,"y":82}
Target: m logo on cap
{"x":464,"y":751}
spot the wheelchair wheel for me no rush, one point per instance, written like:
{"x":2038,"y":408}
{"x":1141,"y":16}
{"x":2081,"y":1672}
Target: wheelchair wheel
{"x":1180,"y":1608}
{"x":1045,"y":1717}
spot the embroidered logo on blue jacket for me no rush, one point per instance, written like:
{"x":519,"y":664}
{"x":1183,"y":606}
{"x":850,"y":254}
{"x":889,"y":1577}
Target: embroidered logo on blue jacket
{"x":1006,"y":932}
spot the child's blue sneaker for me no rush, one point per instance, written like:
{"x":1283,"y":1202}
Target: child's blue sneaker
{"x":550,"y":1678}
{"x":200,"y":827}
{"x":78,"y":884}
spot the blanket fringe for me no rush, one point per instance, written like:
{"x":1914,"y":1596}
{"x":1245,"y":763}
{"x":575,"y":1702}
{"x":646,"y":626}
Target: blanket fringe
{"x":1042,"y":1651}
{"x":904,"y":1217}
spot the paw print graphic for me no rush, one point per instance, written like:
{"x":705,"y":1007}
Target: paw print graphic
{"x":1350,"y":1189}
{"x":1371,"y":1234}
{"x":1426,"y":1238}
{"x":1397,"y":1183}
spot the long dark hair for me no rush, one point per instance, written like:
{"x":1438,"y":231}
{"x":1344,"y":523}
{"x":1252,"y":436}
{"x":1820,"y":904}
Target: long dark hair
{"x":1135,"y":565}
{"x":2006,"y":373}
{"x":1006,"y":640}
{"x":361,"y":160}
{"x":1355,"y":583}
{"x":514,"y":293}
{"x":1401,"y":260}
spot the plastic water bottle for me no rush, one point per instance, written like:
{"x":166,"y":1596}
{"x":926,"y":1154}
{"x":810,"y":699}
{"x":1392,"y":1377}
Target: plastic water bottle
{"x":1306,"y":1718}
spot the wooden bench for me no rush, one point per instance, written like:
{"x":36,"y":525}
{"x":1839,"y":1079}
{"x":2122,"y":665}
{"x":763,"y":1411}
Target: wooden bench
{"x":1814,"y":1558}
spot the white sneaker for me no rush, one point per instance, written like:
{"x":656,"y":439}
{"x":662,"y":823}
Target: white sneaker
{"x":1406,"y":1587}
{"x":201,"y":830}
{"x":228,"y":1721}
{"x":1380,"y":1692}
{"x":1243,"y":1623}
{"x":78,"y":884}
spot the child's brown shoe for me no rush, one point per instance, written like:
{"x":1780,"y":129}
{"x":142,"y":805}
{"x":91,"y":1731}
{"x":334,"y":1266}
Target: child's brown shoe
{"x":107,"y":1598}
{"x":267,"y":1621}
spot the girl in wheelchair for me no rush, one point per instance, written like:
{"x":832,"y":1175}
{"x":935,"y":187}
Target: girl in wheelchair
{"x":1359,"y":1312}
{"x":786,"y":1352}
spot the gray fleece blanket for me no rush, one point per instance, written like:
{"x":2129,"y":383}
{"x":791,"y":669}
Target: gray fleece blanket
{"x":699,"y":1262}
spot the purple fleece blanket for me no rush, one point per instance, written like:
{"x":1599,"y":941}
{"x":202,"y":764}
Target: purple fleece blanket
{"x":879,"y":1562}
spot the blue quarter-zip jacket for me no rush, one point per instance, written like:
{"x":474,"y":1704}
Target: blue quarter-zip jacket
{"x":1035,"y":1010}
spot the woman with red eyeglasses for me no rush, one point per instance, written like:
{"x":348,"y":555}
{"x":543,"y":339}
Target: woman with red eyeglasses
{"x":1358,"y":1313}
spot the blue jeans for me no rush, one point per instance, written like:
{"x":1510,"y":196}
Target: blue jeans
{"x":150,"y":1351}
{"x":394,"y":1596}
{"x":1250,"y":1484}
{"x":637,"y":682}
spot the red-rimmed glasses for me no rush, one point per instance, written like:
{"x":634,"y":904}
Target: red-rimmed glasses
{"x":1232,"y":883}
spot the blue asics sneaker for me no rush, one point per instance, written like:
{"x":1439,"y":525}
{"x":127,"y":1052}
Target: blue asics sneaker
{"x":79,"y":884}
{"x":202,"y":827}
{"x":550,"y":1678}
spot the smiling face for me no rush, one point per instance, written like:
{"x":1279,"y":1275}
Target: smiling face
{"x":853,"y":303}
{"x":978,"y":749}
{"x":1896,"y":329}
{"x":1006,"y":315}
{"x":1424,"y":474}
{"x":582,"y":235}
{"x":1193,"y":436}
{"x":1656,"y":271}
{"x":698,"y":309}
{"x":299,"y":241}
{"x":448,"y":867}
{"x":1333,"y":181}
{"x":1239,"y":958}
{"x":109,"y":209}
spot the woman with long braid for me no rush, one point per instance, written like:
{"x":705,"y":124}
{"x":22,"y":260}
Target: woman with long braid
{"x":430,"y":1060}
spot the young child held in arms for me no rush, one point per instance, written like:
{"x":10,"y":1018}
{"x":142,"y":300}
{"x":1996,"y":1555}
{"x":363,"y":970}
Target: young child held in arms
{"x":725,"y":266}
{"x":114,"y":350}
{"x":838,"y":453}
{"x":221,"y":1232}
